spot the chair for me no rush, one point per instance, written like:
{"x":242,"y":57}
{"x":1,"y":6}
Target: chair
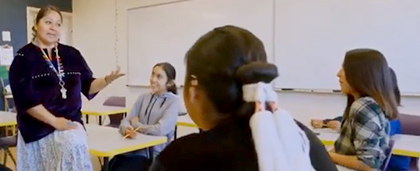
{"x":5,"y":144}
{"x":116,"y":101}
{"x":175,"y":132}
{"x":409,"y":126}
{"x":388,"y":154}
{"x":114,"y":120}
{"x":7,"y":94}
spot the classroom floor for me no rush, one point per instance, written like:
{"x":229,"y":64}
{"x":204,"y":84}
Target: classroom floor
{"x":95,"y":161}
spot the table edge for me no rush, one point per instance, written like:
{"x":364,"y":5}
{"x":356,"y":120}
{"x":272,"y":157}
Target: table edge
{"x":10,"y":123}
{"x":180,"y":123}
{"x":395,"y":151}
{"x":405,"y":153}
{"x":126,"y":149}
{"x":113,"y":112}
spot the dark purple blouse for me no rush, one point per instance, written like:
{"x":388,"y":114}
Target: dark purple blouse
{"x":33,"y":83}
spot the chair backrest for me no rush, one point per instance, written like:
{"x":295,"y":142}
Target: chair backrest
{"x":117,"y":101}
{"x":388,"y":154}
{"x":409,"y":124}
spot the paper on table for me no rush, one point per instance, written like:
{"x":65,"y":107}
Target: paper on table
{"x":6,"y":55}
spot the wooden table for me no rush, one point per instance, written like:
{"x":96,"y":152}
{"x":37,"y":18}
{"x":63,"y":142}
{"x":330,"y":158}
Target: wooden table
{"x":101,"y":110}
{"x":106,"y":142}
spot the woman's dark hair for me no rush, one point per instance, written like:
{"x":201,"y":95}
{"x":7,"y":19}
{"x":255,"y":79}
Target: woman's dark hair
{"x":41,"y":14}
{"x":367,"y":72}
{"x":222,"y":61}
{"x":171,"y":74}
{"x":395,"y":86}
{"x":350,"y":99}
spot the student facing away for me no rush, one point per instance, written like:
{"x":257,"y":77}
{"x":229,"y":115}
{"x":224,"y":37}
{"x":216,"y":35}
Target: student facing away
{"x":157,"y":112}
{"x":364,"y":135}
{"x":228,"y":95}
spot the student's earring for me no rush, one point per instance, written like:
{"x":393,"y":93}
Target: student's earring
{"x":192,"y":89}
{"x":194,"y":81}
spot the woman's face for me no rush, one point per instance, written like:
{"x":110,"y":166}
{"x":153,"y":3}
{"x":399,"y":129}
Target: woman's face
{"x":344,"y":85}
{"x":158,"y":80}
{"x":48,"y":28}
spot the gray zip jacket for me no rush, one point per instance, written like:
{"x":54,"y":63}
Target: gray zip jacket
{"x":157,"y":115}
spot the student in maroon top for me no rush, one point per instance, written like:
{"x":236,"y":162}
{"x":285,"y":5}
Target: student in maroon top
{"x":47,"y":79}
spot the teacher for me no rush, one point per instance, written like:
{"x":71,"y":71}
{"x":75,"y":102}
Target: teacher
{"x":47,"y":79}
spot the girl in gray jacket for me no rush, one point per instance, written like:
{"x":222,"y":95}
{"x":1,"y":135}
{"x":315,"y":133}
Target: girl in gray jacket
{"x":157,"y":112}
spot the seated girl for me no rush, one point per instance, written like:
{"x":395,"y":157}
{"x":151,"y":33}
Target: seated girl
{"x":157,"y":112}
{"x":335,"y":123}
{"x":396,"y":162}
{"x":364,"y":135}
{"x":228,"y":95}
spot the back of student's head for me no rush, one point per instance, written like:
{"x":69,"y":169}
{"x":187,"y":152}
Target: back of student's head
{"x":395,"y":86}
{"x":368,"y":74}
{"x":170,"y":74}
{"x":220,"y":63}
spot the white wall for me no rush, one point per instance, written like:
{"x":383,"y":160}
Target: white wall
{"x":94,"y":35}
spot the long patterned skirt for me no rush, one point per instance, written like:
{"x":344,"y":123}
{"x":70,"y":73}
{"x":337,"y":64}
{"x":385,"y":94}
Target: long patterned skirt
{"x":58,"y":151}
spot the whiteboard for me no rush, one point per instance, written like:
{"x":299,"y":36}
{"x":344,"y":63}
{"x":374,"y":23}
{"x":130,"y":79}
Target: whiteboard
{"x":312,"y":36}
{"x":164,"y":33}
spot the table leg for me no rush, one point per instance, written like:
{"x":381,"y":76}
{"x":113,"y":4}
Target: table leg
{"x":106,"y":164}
{"x":100,"y":120}
{"x":175,"y":133}
{"x":5,"y":156}
{"x":87,"y":118}
{"x":151,"y":153}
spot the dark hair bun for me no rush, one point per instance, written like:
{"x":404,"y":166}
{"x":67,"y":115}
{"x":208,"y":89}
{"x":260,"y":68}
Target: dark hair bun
{"x":255,"y":72}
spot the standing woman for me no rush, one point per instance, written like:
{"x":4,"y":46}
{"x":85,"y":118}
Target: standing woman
{"x":47,"y":79}
{"x":364,"y":137}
